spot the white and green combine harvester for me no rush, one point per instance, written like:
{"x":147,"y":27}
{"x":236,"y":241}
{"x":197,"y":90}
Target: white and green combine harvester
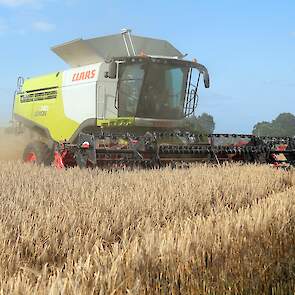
{"x":126,"y":100}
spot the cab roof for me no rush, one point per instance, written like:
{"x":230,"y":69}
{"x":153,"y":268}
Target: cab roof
{"x":82,"y":52}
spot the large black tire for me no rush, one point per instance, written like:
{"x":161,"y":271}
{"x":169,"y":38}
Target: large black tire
{"x":37,"y":153}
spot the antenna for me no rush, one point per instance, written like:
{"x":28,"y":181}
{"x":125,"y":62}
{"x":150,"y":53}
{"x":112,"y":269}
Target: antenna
{"x":126,"y":34}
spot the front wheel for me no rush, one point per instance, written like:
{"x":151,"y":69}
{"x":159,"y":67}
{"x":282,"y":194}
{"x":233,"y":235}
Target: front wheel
{"x":37,"y":153}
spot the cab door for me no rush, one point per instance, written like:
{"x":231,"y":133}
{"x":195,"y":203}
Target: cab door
{"x":106,"y":96}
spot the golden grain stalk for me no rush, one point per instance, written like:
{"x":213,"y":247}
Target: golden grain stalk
{"x":203,"y":230}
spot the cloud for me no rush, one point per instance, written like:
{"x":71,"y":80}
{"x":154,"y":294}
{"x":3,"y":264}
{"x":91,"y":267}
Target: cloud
{"x":43,"y":26}
{"x":292,"y":34}
{"x":16,"y":3}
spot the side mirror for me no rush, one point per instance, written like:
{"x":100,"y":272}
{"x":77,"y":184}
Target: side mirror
{"x":20,"y":83}
{"x":112,"y":71}
{"x":206,"y":79}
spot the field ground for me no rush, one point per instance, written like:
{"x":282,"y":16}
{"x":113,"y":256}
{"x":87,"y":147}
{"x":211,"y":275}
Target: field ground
{"x":203,"y":230}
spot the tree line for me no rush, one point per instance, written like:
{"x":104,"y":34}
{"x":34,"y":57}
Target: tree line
{"x":282,"y":125}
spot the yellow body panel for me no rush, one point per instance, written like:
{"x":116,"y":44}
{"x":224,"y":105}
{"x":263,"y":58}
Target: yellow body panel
{"x":40,"y":102}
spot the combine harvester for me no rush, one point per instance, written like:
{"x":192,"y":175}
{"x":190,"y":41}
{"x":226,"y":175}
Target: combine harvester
{"x":126,"y":101}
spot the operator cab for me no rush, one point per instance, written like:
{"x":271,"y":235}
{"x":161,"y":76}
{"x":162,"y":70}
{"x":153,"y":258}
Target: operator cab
{"x":157,"y":88}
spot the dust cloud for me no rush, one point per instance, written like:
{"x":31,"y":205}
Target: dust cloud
{"x":12,"y":146}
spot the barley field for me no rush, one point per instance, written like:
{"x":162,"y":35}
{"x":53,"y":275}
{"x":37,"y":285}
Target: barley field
{"x":203,"y":230}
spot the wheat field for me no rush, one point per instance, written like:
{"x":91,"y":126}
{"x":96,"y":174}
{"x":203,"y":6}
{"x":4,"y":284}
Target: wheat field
{"x":203,"y":230}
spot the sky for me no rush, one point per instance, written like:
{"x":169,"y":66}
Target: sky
{"x":248,"y":47}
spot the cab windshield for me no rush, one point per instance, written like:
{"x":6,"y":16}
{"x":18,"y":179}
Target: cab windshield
{"x":152,"y":90}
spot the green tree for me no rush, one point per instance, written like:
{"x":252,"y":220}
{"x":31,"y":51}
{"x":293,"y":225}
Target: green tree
{"x":203,"y":123}
{"x":283,"y":125}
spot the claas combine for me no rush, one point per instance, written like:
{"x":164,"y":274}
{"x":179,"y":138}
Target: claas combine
{"x":126,"y":101}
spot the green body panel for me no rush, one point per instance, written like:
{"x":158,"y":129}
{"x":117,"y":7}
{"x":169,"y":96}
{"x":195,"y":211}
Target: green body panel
{"x":40,"y":102}
{"x":116,"y":122}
